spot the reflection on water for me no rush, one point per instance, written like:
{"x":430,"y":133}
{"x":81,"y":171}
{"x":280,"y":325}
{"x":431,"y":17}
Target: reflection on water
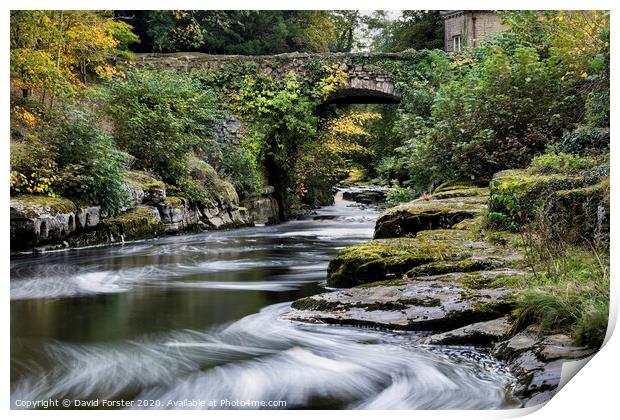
{"x":197,"y":316}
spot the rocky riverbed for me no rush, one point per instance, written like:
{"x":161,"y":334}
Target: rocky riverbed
{"x":432,"y":268}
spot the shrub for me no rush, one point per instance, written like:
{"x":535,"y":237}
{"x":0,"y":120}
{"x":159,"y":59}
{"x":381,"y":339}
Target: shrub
{"x":90,"y":166}
{"x":160,"y":117}
{"x":503,"y":111}
{"x":504,"y":198}
{"x":561,"y":163}
{"x":241,"y":167}
{"x":33,"y":166}
{"x":584,"y":140}
{"x":398,"y":194}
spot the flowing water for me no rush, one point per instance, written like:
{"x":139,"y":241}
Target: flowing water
{"x":193,"y":321}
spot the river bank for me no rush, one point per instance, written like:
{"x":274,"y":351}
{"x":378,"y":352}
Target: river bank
{"x":40,"y":223}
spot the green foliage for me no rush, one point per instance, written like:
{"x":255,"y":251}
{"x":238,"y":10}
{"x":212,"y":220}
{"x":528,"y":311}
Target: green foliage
{"x":397,"y":195}
{"x":91,"y":168}
{"x":247,"y":32}
{"x":505,"y":197}
{"x":284,"y":120}
{"x":561,"y":163}
{"x":497,"y":115}
{"x":242,"y":168}
{"x":415,"y":29}
{"x":53,"y":51}
{"x":585,"y":140}
{"x":160,"y":117}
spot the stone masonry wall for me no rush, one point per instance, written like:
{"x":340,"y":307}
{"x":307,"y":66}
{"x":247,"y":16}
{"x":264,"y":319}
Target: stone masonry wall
{"x":363,"y":76}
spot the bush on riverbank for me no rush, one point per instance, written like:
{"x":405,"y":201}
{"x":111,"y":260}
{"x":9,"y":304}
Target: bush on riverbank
{"x":90,"y":166}
{"x":160,"y":117}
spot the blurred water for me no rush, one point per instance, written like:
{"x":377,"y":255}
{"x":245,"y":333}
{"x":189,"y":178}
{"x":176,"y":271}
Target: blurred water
{"x":197,"y":317}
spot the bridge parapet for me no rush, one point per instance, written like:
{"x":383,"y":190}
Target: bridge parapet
{"x":366,"y":81}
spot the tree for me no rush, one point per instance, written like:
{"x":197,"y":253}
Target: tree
{"x":55,"y":51}
{"x":248,"y":32}
{"x":414,"y":29}
{"x":345,"y":22}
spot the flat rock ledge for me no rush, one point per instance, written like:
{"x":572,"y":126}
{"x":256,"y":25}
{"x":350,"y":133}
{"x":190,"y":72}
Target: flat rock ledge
{"x":429,"y":303}
{"x":479,"y":334}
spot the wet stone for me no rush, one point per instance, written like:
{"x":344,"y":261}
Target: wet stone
{"x":480,"y":333}
{"x":525,"y":340}
{"x":561,"y":346}
{"x":526,"y":362}
{"x":547,"y":378}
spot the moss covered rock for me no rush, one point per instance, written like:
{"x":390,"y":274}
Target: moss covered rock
{"x":216,"y":191}
{"x":440,"y":211}
{"x":142,"y":222}
{"x":431,"y":252}
{"x":144,"y":188}
{"x":433,"y":304}
{"x":518,"y":197}
{"x":381,"y":258}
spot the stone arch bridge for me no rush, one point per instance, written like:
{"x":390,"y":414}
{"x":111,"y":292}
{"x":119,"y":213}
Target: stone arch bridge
{"x":366,"y":83}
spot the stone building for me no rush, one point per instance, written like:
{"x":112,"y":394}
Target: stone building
{"x":465,"y":28}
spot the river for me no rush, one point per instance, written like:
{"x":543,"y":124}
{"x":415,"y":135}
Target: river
{"x":193,"y":321}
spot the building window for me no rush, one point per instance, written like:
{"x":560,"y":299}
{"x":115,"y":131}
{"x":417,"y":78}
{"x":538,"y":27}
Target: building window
{"x":456,"y":43}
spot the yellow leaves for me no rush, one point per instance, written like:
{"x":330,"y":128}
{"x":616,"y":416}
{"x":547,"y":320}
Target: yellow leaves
{"x":351,"y":124}
{"x":24,"y":116}
{"x":584,"y":74}
{"x":56,"y":49}
{"x":34,"y":184}
{"x":336,"y":78}
{"x":341,"y":134}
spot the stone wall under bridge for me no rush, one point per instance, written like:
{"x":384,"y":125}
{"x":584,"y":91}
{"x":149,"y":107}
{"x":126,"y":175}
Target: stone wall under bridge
{"x":366,"y":83}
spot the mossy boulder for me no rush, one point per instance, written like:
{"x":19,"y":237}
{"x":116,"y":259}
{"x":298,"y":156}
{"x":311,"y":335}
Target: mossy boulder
{"x":217,"y":192}
{"x":431,"y":252}
{"x":580,"y":213}
{"x":517,"y":197}
{"x":139,"y":223}
{"x":144,"y":188}
{"x":142,"y":222}
{"x":428,"y":213}
{"x":378,"y":259}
